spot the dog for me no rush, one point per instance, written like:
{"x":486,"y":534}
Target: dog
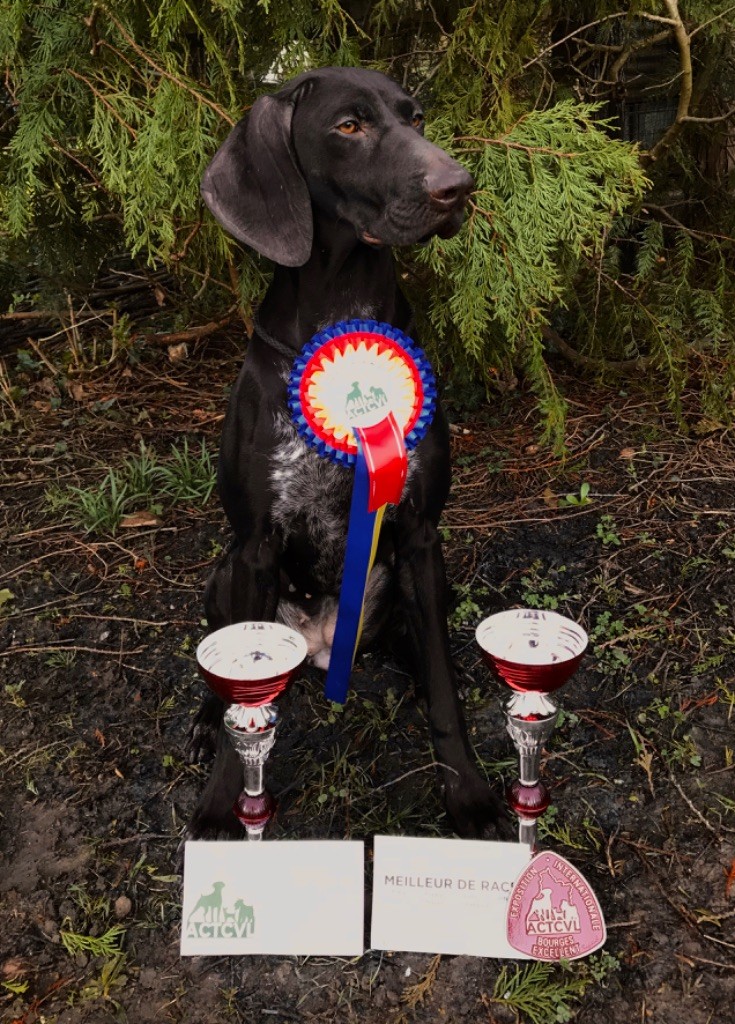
{"x":323,"y":177}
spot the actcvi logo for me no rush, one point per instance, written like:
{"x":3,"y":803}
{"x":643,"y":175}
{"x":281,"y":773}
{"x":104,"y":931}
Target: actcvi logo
{"x":214,"y":918}
{"x":359,"y":402}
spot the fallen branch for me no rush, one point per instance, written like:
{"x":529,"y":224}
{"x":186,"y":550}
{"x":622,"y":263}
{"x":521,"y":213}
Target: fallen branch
{"x":44,"y":315}
{"x":190,"y":334}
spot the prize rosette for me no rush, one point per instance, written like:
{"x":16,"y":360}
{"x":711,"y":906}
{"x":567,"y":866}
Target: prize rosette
{"x":362,"y":394}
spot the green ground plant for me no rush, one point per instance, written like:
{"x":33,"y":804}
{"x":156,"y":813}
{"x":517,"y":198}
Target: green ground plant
{"x":97,"y":509}
{"x":108,"y":944}
{"x":545,"y":993}
{"x":189,"y":476}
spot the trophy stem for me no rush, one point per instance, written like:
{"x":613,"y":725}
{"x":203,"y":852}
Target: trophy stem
{"x":527,"y":831}
{"x":253,"y":743}
{"x":527,"y":797}
{"x":252,"y":775}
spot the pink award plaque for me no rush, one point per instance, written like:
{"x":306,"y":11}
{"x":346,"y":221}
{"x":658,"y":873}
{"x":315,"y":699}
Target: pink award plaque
{"x":553,"y":914}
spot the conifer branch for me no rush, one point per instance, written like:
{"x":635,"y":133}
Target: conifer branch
{"x":74,"y":159}
{"x":509,"y":144}
{"x":126,"y":60}
{"x":168,"y":74}
{"x":557,"y":219}
{"x":711,"y":21}
{"x":105,"y":102}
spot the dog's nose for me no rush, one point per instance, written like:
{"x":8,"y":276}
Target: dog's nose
{"x":448,"y":188}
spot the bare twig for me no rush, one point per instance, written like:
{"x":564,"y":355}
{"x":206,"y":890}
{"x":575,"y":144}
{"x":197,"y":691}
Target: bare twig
{"x":622,"y":365}
{"x":414,"y":771}
{"x":710,"y":120}
{"x":39,"y":352}
{"x":40,"y":315}
{"x":531,"y":150}
{"x":626,"y":52}
{"x":717,"y":17}
{"x":576,"y":32}
{"x":66,"y":648}
{"x":683,"y":227}
{"x":692,"y":808}
{"x":7,"y":389}
{"x":685,"y":92}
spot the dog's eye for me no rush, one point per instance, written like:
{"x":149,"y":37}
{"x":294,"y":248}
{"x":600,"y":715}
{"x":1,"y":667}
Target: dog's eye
{"x":348,"y":127}
{"x":417,"y":120}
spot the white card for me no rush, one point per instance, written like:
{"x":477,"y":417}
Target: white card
{"x":444,"y":895}
{"x":299,"y":898}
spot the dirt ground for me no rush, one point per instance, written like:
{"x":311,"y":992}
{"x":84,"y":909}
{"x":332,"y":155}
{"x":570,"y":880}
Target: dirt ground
{"x":633,"y":534}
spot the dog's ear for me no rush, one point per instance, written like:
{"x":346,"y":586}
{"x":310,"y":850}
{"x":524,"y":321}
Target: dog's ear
{"x":255,"y":189}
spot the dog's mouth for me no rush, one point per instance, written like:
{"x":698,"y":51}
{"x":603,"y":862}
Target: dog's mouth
{"x":376,"y":243}
{"x":446,"y":228}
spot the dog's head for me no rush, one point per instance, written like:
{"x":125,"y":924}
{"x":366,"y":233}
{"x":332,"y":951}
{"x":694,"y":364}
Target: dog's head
{"x":350,"y":142}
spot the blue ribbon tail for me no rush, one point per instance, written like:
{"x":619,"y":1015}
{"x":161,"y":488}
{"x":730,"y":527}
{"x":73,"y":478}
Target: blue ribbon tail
{"x":354,"y":580}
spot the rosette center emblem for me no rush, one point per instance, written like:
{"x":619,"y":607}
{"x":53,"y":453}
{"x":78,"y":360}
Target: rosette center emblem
{"x":353,"y":375}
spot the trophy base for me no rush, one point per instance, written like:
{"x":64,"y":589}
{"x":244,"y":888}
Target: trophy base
{"x":254,"y":812}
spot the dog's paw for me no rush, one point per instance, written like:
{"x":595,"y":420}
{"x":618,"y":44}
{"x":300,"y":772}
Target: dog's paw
{"x":475,"y":811}
{"x":202,"y":742}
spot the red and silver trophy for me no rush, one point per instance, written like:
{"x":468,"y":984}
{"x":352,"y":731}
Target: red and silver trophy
{"x":249,"y":665}
{"x":534,"y":652}
{"x":553,"y":913}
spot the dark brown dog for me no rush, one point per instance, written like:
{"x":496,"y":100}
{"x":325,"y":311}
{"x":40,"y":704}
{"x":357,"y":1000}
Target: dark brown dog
{"x":322,"y":178}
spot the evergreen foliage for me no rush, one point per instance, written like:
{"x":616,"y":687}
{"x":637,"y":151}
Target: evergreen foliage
{"x":112,"y":111}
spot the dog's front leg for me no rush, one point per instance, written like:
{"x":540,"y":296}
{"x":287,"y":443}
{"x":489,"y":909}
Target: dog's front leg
{"x":471,"y":804}
{"x":243,"y":587}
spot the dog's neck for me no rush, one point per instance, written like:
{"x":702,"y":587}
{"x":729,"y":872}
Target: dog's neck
{"x":343,"y":278}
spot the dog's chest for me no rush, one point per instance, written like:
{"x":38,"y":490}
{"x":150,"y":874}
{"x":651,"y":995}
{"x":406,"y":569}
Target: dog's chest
{"x":311,"y":502}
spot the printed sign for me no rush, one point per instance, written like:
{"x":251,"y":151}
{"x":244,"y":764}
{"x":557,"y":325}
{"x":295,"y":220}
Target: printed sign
{"x":444,"y":895}
{"x":553,"y":912}
{"x":294,"y":898}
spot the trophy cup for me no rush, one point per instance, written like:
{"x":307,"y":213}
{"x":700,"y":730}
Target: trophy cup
{"x":248,"y":665}
{"x":534,"y":652}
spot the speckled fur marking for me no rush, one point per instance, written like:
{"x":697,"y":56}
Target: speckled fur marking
{"x":314,"y":494}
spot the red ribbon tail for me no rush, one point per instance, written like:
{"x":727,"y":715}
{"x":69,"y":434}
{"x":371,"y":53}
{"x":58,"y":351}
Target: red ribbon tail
{"x":385,"y":453}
